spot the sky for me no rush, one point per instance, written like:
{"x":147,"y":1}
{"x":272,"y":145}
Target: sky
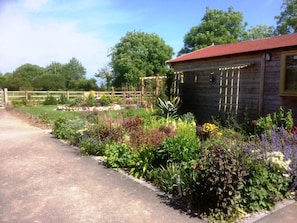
{"x":44,"y":31}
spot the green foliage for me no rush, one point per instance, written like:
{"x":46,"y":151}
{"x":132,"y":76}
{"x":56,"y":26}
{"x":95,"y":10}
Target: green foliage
{"x":188,"y":117}
{"x":89,"y":145}
{"x":105,"y":100}
{"x":47,"y":82}
{"x":179,"y":149}
{"x":119,"y":155}
{"x":63,"y":99}
{"x":143,"y":163}
{"x":67,"y":129}
{"x":216,"y":27}
{"x":105,"y":73}
{"x":139,"y":54}
{"x":264,"y":186}
{"x":91,"y":99}
{"x":168,"y":179}
{"x":259,"y":32}
{"x":287,"y":20}
{"x":220,"y":174}
{"x":169,"y":109}
{"x":277,"y":119}
{"x":50,"y":100}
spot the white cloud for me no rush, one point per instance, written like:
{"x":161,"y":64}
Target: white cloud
{"x":33,"y":5}
{"x":26,"y":40}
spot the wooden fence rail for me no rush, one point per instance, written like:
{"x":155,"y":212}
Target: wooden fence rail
{"x":38,"y":97}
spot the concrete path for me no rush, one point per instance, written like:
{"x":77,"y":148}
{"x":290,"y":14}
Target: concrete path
{"x":45,"y":180}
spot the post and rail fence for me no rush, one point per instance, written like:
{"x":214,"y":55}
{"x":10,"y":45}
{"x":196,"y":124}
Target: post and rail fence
{"x":38,"y":97}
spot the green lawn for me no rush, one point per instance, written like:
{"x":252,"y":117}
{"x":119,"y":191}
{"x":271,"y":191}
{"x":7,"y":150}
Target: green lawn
{"x":49,"y":112}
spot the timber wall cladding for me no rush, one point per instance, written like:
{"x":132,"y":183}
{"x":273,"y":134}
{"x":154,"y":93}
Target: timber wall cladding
{"x":199,"y":95}
{"x":272,"y":99}
{"x":223,"y":95}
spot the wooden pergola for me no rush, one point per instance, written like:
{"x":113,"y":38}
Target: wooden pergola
{"x":158,"y":79}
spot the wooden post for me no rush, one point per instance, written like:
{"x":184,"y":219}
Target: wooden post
{"x":142,"y":90}
{"x":157,"y":86}
{"x":5,"y":96}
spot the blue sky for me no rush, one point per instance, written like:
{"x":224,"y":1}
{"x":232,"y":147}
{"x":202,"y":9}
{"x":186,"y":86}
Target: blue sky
{"x":43,"y":31}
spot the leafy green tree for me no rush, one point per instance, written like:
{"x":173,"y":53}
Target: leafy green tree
{"x":49,"y":81}
{"x":84,"y":84}
{"x":15,"y":83}
{"x":2,"y":81}
{"x":259,"y":32}
{"x":287,"y":20}
{"x":139,"y":54}
{"x":106,"y":74}
{"x":216,"y":27}
{"x":54,"y":68}
{"x":73,"y":71}
{"x":28,"y":72}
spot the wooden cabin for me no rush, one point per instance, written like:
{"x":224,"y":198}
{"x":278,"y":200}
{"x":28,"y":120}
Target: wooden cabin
{"x":252,"y":78}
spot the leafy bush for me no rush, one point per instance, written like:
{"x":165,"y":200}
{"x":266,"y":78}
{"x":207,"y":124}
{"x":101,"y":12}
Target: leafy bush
{"x":91,"y":99}
{"x":90,"y":146}
{"x":119,"y":155}
{"x":143,"y":163}
{"x":263,"y":186}
{"x":68,"y":129}
{"x":168,"y":179}
{"x":105,"y":100}
{"x":179,"y":149}
{"x":50,"y":100}
{"x":220,"y":174}
{"x":63,"y":99}
{"x":278,"y":119}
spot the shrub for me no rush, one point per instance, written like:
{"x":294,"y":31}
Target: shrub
{"x":220,"y":174}
{"x":264,"y":185}
{"x":50,"y":100}
{"x":277,"y":119}
{"x":105,"y":100}
{"x":91,"y":146}
{"x":119,"y":156}
{"x":63,"y":99}
{"x":142,"y":165}
{"x":68,"y":129}
{"x":178,"y":149}
{"x":91,"y":99}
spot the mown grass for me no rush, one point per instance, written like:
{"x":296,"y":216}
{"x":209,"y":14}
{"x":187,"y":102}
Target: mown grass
{"x":49,"y":112}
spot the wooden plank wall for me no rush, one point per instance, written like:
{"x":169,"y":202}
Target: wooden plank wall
{"x":201,"y":97}
{"x":272,"y":99}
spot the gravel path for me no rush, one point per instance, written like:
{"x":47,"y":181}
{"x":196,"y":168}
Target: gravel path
{"x":45,"y":180}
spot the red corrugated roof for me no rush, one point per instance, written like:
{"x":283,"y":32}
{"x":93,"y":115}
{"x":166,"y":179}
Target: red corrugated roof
{"x":240,"y":47}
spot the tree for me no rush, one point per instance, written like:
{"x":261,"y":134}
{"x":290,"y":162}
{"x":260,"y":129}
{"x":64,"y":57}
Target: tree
{"x":287,"y":20}
{"x":28,"y":72}
{"x":49,"y":81}
{"x":259,"y":32}
{"x":84,"y":84}
{"x":73,"y":71}
{"x":216,"y":27}
{"x":54,"y":68}
{"x":106,"y":74}
{"x":139,"y":54}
